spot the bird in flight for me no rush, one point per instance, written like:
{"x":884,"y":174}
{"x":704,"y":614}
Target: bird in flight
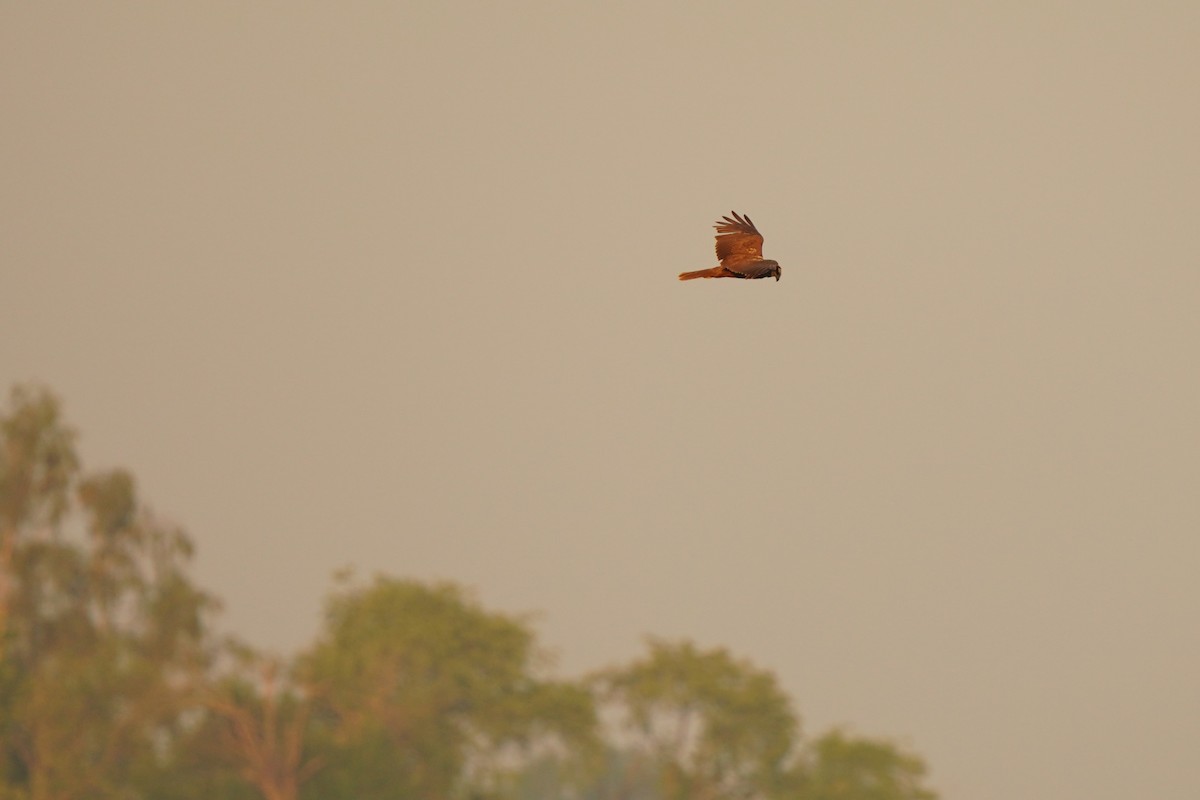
{"x":739,"y":249}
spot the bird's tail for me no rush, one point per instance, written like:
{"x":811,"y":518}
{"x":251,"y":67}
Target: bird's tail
{"x":714,"y":272}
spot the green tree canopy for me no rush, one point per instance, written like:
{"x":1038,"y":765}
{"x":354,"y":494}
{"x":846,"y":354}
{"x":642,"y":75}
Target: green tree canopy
{"x":113,"y":684}
{"x":102,"y":634}
{"x":717,"y":726}
{"x":840,"y":767}
{"x":425,"y":692}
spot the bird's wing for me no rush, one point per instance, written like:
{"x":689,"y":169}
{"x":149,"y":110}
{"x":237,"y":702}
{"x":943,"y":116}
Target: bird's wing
{"x":738,"y":241}
{"x":753,"y":269}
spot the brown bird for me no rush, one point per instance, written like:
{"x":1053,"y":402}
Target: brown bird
{"x":739,"y":249}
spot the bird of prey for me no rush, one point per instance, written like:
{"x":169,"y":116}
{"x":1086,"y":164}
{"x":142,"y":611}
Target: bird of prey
{"x":739,"y":249}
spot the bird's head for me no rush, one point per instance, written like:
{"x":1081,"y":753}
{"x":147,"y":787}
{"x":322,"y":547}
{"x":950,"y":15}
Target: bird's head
{"x":776,"y":270}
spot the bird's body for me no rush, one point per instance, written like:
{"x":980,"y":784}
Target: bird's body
{"x":739,"y":249}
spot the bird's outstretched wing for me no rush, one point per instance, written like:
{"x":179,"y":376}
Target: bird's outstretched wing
{"x":755,"y":269}
{"x":738,"y":241}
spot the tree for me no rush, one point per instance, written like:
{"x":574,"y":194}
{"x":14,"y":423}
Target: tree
{"x":716,"y":727}
{"x":112,"y":684}
{"x":37,"y":465}
{"x":102,"y":634}
{"x":263,"y":725}
{"x":840,"y":767}
{"x":426,"y":695}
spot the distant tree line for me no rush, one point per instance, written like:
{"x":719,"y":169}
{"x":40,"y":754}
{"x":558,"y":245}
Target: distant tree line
{"x":114,"y":682}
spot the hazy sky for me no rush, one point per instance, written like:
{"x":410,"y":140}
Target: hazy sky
{"x":393,"y":286}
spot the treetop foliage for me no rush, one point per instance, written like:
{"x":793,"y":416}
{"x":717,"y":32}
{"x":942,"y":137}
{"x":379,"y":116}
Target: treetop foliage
{"x":116,"y":683}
